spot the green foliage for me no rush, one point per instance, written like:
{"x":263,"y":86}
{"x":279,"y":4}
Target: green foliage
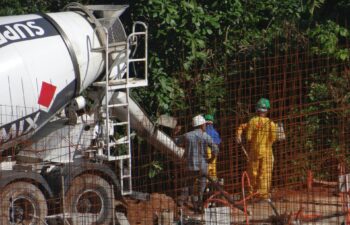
{"x":182,"y":27}
{"x":154,"y":168}
{"x":188,"y":35}
{"x":326,"y":40}
{"x":163,"y":94}
{"x":18,"y":7}
{"x":327,"y":92}
{"x":318,"y":92}
{"x":211,"y":89}
{"x":314,"y":4}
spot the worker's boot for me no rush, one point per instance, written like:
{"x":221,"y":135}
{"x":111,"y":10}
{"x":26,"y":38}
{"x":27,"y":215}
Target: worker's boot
{"x":197,"y":204}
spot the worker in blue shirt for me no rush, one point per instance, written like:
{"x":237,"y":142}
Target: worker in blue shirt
{"x":196,"y":143}
{"x":212,"y":156}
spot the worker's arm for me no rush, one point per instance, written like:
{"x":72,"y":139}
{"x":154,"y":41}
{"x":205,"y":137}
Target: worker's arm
{"x":239,"y":132}
{"x":273,"y":133}
{"x":210,"y":143}
{"x":249,"y":131}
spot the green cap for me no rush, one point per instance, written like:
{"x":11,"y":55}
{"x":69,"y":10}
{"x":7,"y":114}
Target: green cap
{"x":209,"y":117}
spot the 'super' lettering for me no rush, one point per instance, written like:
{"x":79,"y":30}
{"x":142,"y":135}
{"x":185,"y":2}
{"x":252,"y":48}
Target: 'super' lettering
{"x":25,"y":30}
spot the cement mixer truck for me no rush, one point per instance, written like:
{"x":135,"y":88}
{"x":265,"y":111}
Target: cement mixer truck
{"x":64,"y":91}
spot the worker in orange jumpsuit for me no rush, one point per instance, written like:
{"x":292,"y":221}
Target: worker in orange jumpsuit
{"x":261,"y":134}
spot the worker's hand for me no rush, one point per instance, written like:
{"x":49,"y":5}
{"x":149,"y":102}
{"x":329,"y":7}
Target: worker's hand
{"x":177,"y":129}
{"x":238,"y":140}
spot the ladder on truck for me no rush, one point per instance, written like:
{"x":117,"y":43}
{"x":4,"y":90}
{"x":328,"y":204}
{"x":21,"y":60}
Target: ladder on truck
{"x":123,"y":83}
{"x":119,"y":60}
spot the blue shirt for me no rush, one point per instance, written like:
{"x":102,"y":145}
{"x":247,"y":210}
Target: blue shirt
{"x":196,"y":143}
{"x":213,"y":134}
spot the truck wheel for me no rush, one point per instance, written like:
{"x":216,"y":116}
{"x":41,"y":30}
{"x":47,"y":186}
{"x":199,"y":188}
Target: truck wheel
{"x":22,"y":203}
{"x":89,"y":200}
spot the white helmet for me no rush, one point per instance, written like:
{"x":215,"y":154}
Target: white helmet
{"x":198,"y":120}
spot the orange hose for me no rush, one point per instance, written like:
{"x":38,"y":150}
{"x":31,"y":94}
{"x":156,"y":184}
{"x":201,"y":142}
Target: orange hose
{"x":247,"y":198}
{"x":210,"y":199}
{"x":245,"y":175}
{"x":213,"y":198}
{"x":300,"y":215}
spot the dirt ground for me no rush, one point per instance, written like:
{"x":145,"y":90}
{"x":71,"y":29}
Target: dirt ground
{"x":317,"y":206}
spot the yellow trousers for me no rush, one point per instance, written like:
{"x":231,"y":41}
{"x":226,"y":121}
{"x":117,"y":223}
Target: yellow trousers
{"x":260,"y":174}
{"x":212,"y":165}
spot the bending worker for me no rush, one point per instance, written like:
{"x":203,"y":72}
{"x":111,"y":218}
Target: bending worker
{"x":195,"y":143}
{"x":212,"y":158}
{"x":261,"y":134}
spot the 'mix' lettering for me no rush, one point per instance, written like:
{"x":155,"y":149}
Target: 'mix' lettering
{"x":19,"y":128}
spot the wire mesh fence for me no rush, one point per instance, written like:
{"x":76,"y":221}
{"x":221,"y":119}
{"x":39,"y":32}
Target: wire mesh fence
{"x":282,"y":164}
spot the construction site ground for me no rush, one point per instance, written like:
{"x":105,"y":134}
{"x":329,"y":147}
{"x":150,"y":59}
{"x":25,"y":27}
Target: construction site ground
{"x":319,"y":205}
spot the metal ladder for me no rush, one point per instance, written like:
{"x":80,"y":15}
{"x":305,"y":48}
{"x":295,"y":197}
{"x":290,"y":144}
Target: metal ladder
{"x":122,"y":55}
{"x":121,"y":82}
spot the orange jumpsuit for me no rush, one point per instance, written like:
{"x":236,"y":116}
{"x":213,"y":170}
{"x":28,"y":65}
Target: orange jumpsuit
{"x":261,"y":134}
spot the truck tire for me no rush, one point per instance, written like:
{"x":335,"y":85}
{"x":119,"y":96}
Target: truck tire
{"x":22,"y":203}
{"x":89,"y":200}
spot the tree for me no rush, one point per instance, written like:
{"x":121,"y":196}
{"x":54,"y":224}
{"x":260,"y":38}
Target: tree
{"x":186,"y":36}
